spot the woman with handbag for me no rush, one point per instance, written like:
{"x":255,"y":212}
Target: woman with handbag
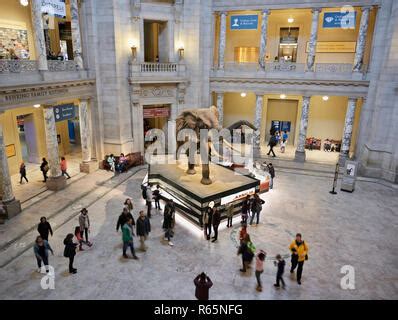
{"x":299,"y":251}
{"x":70,"y":251}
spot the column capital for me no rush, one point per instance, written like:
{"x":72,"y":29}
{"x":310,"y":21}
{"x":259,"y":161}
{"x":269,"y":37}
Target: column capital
{"x":352,"y":99}
{"x":265,"y":11}
{"x":259,"y":94}
{"x":318,"y":10}
{"x":366,"y":8}
{"x":307,"y":97}
{"x":222,"y":13}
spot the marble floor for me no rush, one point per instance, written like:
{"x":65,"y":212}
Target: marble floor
{"x":357,"y":229}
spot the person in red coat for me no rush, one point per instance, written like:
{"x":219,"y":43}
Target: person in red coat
{"x":203,"y":284}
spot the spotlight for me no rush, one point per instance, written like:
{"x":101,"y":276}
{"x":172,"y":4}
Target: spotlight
{"x":24,"y":2}
{"x":290,"y":20}
{"x":243,"y":94}
{"x":282,"y":96}
{"x":36,"y":105}
{"x":325,"y":98}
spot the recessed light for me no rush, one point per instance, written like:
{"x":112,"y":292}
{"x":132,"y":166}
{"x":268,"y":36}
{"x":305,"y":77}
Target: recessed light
{"x":325,"y":98}
{"x":243,"y":94}
{"x":290,"y":20}
{"x":24,"y":2}
{"x":282,"y":96}
{"x":36,"y":105}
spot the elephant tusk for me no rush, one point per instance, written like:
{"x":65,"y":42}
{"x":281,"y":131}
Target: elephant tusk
{"x":230,"y":146}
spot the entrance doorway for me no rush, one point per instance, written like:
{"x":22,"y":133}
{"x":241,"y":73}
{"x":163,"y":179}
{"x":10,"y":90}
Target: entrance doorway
{"x":156,"y":117}
{"x":156,"y":41}
{"x":27,"y":138}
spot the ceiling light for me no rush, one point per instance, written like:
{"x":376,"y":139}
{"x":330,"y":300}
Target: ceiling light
{"x":325,"y":98}
{"x":243,"y":94}
{"x":282,"y":96}
{"x":24,"y":2}
{"x":36,"y":105}
{"x":290,"y":20}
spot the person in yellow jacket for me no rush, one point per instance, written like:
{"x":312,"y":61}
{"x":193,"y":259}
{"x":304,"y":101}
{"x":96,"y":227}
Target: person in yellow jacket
{"x":299,"y":251}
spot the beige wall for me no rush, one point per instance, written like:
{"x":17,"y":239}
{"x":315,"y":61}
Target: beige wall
{"x":302,"y":18}
{"x":237,"y":108}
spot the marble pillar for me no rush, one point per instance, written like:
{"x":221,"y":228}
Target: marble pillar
{"x":263,"y":41}
{"x":222,"y":40}
{"x":76,"y":35}
{"x":313,"y":39}
{"x":300,"y":150}
{"x":87,"y":164}
{"x":220,"y":107}
{"x":55,"y":180}
{"x":38,"y":33}
{"x":11,"y":205}
{"x":257,"y":123}
{"x":361,"y":41}
{"x":348,"y":127}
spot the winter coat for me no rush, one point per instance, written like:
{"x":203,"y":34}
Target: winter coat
{"x":244,"y":250}
{"x":44,"y":228}
{"x":47,"y":248}
{"x":271,"y":171}
{"x":300,"y":248}
{"x":127,"y":233}
{"x":216,"y":218}
{"x":22,"y":170}
{"x":70,"y":248}
{"x":141,"y":227}
{"x":230,"y":211}
{"x":202,"y":288}
{"x":168,"y":220}
{"x":123,"y":218}
{"x":84,"y":221}
{"x":44,"y":166}
{"x":281,"y":266}
{"x":256,"y":205}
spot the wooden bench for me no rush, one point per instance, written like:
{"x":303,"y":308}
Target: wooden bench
{"x":309,"y":142}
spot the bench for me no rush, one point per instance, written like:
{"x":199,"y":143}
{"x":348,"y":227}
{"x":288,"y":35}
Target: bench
{"x":133,"y":159}
{"x":309,"y":142}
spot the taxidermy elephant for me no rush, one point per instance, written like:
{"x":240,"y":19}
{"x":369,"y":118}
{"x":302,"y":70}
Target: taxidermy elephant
{"x":197,"y":119}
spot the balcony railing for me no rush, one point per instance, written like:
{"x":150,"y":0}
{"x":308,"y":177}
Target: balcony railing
{"x":154,"y":69}
{"x":17,"y":66}
{"x":333,"y":67}
{"x":158,"y":67}
{"x":284,"y":67}
{"x":20,"y":66}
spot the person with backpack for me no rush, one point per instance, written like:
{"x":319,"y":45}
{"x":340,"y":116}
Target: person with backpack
{"x":299,"y":251}
{"x":41,"y":249}
{"x":256,"y":208}
{"x":203,"y":284}
{"x":44,"y":168}
{"x":246,"y":249}
{"x":70,"y":251}
{"x":272,"y":143}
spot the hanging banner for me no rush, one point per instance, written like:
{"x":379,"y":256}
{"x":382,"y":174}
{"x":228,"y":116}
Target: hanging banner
{"x":156,"y":113}
{"x":244,"y":22}
{"x":54,"y":8}
{"x":64,"y":112}
{"x":342,"y":20}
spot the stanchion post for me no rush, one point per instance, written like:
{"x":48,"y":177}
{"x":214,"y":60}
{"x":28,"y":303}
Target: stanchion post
{"x":336,"y":175}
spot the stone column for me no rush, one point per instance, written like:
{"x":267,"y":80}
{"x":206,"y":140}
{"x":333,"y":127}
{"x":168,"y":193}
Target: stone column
{"x":257,"y":123}
{"x":300,"y":150}
{"x":76,"y":35}
{"x":220,"y":107}
{"x":87,"y":164}
{"x":55,"y":181}
{"x":38,"y":33}
{"x":263,"y":41}
{"x":348,"y":126}
{"x":222,"y":40}
{"x":313,"y":39}
{"x":171,"y":130}
{"x":172,"y":52}
{"x":361,"y":41}
{"x":11,"y":205}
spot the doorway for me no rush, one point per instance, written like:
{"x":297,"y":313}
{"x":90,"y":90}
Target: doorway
{"x":288,"y":44}
{"x":156,"y":41}
{"x":27,"y":138}
{"x":156,"y":117}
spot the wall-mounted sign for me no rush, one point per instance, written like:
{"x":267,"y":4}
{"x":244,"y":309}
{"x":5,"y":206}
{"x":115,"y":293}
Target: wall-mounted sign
{"x":335,"y":46}
{"x":54,"y":8}
{"x":343,"y":20}
{"x":237,"y":196}
{"x":10,"y":150}
{"x":17,"y":97}
{"x":156,"y":113}
{"x":244,"y":22}
{"x":64,"y":112}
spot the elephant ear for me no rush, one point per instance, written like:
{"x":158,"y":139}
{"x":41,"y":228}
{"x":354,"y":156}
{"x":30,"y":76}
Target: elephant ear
{"x":187,"y":120}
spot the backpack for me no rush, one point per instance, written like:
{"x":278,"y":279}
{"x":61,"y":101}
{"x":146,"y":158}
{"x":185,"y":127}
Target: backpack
{"x":251,"y":247}
{"x":144,"y":192}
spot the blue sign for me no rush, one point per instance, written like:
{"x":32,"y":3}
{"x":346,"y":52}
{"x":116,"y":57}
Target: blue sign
{"x":342,"y":20}
{"x":244,"y":22}
{"x":64,"y":112}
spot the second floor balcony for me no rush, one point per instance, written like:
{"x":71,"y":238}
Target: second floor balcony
{"x":157,"y":71}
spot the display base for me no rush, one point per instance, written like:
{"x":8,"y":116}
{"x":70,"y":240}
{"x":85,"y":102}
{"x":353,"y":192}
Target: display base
{"x":192,"y":198}
{"x":299,"y":156}
{"x":12,"y":208}
{"x":89,"y":167}
{"x":56,"y":184}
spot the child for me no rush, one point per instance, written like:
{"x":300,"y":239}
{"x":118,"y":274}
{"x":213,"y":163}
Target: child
{"x":80,"y":240}
{"x":283,"y":146}
{"x":280,"y":263}
{"x":260,"y":268}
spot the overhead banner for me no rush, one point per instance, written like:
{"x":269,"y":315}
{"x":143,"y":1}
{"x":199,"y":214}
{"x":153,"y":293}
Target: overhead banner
{"x":335,"y":46}
{"x":54,"y":8}
{"x":244,"y":22}
{"x":342,"y":20}
{"x":156,"y":113}
{"x":64,"y":112}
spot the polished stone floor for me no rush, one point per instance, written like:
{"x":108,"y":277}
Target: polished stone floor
{"x":358,"y":229}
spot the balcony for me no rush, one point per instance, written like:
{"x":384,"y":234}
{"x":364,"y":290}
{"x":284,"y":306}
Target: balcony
{"x":322,"y":71}
{"x":15,"y":72}
{"x":157,"y":72}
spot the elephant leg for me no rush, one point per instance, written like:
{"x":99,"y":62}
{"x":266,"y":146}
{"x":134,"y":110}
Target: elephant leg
{"x":205,"y":174}
{"x":191,"y":163}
